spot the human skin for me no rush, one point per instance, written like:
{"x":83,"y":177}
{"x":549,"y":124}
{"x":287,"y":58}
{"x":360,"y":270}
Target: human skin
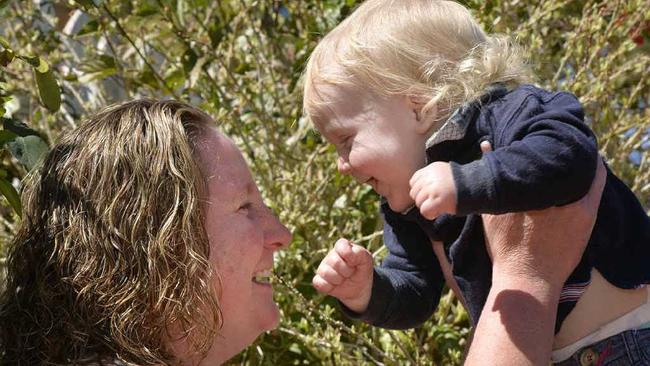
{"x":533,"y":253}
{"x":377,"y":151}
{"x":389,"y":156}
{"x":244,"y":234}
{"x":433,"y":190}
{"x":381,"y":141}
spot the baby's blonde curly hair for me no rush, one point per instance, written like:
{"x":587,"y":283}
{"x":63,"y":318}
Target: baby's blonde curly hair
{"x":432,"y":50}
{"x":111,"y":260}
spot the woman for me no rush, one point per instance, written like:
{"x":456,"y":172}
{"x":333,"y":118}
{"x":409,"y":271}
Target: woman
{"x":144,"y":241}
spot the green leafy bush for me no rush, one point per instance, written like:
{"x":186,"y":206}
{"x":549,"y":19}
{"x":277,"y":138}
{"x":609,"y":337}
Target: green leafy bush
{"x":241,"y":61}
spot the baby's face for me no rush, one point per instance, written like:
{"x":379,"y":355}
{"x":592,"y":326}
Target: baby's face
{"x":378,"y":140}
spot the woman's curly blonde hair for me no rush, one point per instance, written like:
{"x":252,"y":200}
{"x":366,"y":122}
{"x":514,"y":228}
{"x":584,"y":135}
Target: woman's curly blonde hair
{"x":110,"y":262}
{"x":431,"y":50}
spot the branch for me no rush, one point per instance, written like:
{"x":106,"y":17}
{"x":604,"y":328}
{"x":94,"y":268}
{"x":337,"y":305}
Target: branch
{"x":144,"y":59}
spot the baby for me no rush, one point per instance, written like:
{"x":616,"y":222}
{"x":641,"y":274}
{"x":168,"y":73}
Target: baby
{"x":408,"y":91}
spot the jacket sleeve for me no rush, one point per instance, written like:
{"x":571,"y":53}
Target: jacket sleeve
{"x":543,"y":155}
{"x":407,"y":286}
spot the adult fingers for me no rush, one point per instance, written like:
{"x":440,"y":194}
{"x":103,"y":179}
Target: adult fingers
{"x":486,"y":146}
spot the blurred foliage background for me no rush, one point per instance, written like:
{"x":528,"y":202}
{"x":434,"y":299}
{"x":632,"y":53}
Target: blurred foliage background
{"x":241,"y":60}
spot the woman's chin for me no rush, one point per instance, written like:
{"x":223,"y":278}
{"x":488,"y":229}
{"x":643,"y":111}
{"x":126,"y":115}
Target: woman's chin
{"x":271,"y":318}
{"x":265,"y":309}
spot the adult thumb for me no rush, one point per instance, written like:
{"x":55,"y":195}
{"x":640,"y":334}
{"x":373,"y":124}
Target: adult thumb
{"x":486,"y":146}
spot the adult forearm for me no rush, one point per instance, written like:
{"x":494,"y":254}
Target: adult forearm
{"x":517,"y":323}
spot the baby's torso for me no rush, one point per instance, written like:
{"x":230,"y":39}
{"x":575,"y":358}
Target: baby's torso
{"x":600,"y":303}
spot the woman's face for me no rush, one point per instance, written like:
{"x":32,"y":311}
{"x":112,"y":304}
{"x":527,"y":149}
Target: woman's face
{"x":244,"y":233}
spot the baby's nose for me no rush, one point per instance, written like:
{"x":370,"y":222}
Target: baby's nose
{"x":343,"y":166}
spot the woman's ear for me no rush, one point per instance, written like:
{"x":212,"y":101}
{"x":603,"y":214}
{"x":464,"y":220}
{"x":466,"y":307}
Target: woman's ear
{"x":425,"y":118}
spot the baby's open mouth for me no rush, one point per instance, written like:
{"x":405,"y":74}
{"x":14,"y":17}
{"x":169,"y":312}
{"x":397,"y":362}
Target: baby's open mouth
{"x":263,"y":277}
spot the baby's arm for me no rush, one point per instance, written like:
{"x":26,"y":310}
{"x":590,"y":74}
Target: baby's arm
{"x":346,"y":273}
{"x":406,"y":288}
{"x":544,"y":155}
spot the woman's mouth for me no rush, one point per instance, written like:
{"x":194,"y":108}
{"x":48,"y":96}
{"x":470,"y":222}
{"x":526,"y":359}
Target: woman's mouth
{"x":263,"y":277}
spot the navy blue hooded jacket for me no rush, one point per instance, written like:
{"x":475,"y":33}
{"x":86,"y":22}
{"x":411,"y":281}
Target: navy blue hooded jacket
{"x":543,"y":155}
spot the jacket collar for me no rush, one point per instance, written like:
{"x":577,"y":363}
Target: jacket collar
{"x":456,"y":125}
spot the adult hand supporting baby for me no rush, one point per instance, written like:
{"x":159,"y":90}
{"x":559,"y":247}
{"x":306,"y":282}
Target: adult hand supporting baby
{"x":533,"y":253}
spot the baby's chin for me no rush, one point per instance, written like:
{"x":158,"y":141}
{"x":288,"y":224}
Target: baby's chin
{"x":398,"y":205}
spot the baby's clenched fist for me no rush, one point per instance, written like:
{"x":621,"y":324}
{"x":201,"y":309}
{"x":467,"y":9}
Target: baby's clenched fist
{"x":433,"y":190}
{"x":346,"y":273}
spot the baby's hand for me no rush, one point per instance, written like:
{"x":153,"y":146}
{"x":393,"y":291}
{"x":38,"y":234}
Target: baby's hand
{"x":433,"y":190}
{"x":346,"y":273}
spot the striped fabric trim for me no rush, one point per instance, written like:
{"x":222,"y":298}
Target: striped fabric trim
{"x":572,"y":292}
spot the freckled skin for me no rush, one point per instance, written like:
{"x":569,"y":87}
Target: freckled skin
{"x":243,"y":234}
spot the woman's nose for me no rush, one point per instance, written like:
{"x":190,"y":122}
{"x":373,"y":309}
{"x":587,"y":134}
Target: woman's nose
{"x":277,"y":236}
{"x":343,"y":166}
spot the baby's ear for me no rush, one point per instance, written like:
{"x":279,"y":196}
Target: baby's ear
{"x":425,"y":117}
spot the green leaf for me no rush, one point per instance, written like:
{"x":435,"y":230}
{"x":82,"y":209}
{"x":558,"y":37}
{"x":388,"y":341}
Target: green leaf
{"x":6,"y":136}
{"x":11,"y":195}
{"x":4,"y":43}
{"x":243,"y":67}
{"x":175,"y":78}
{"x":107,"y":61}
{"x":216,"y":34}
{"x":49,"y":90}
{"x":38,"y":63}
{"x":4,"y":3}
{"x":18,"y":127}
{"x":147,"y":78}
{"x":101,"y":74}
{"x":146,"y":10}
{"x":90,"y":27}
{"x":6,"y":56}
{"x":88,"y":4}
{"x":29,"y":150}
{"x":189,"y":59}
